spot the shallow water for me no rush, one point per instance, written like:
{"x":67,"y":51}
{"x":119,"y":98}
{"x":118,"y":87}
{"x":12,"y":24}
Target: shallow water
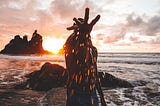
{"x":13,"y":68}
{"x":141,"y":69}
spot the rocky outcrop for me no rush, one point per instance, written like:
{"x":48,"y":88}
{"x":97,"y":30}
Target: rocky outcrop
{"x":49,"y":76}
{"x":20,"y":45}
{"x":108,"y":80}
{"x":54,"y":75}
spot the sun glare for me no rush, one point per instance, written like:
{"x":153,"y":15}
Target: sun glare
{"x":53,"y":45}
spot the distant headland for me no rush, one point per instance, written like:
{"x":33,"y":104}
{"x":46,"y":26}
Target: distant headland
{"x":20,"y":45}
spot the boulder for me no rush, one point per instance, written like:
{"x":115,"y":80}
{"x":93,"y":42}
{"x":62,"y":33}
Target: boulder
{"x":49,"y":76}
{"x":108,"y":80}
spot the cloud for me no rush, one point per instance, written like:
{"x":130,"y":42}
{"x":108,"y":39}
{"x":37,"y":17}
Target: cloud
{"x":100,"y":37}
{"x":64,"y":8}
{"x":67,"y":9}
{"x":63,"y":11}
{"x":153,"y":25}
{"x":142,"y":27}
{"x":51,"y":17}
{"x":143,"y":30}
{"x":16,"y":17}
{"x":156,"y":40}
{"x":145,"y":26}
{"x":115,"y":36}
{"x":149,"y":27}
{"x":134,"y":38}
{"x":134,"y":22}
{"x":21,"y":17}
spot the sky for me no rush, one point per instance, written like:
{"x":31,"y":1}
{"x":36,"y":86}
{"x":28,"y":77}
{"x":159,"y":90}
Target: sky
{"x":124,"y":26}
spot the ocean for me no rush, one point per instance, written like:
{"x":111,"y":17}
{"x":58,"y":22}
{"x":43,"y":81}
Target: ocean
{"x":141,"y":69}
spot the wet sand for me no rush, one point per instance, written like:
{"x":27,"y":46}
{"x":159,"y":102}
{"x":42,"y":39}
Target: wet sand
{"x":11,"y":97}
{"x":138,"y":96}
{"x":54,"y":97}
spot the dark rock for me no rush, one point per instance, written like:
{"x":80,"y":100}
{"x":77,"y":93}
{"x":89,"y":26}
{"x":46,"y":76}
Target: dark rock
{"x":23,"y":46}
{"x":108,"y":80}
{"x":22,"y":85}
{"x":54,"y":75}
{"x":140,"y":83}
{"x":49,"y":76}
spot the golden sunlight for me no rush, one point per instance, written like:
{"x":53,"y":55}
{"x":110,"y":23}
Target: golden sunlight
{"x":53,"y":44}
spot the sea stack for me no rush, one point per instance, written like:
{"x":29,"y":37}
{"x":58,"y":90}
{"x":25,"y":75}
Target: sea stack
{"x":20,"y":45}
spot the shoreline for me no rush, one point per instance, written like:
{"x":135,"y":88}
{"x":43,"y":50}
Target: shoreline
{"x":140,"y":95}
{"x":27,"y":97}
{"x":144,"y":76}
{"x":13,"y":97}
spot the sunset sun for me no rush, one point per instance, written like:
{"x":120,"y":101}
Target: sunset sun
{"x":53,"y":45}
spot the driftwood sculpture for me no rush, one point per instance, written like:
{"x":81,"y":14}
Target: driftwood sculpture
{"x":81,"y":58}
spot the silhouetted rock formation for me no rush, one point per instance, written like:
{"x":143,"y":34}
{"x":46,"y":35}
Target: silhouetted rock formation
{"x":20,"y":45}
{"x":53,"y":75}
